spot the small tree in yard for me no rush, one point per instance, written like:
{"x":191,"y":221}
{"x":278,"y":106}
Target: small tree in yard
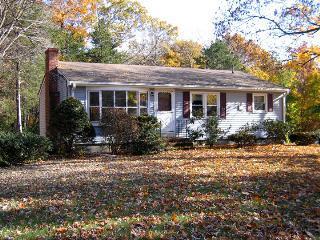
{"x":244,"y":136}
{"x":148,"y":138}
{"x":120,"y":130}
{"x":70,"y":124}
{"x":212,"y":130}
{"x":277,"y":131}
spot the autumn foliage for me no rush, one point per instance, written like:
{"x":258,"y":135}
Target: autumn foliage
{"x":265,"y":192}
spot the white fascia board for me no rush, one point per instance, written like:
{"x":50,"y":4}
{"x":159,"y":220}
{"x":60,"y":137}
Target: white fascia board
{"x":101,"y":84}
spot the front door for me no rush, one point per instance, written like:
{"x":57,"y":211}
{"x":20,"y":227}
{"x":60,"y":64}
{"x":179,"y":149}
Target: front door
{"x":165,"y":111}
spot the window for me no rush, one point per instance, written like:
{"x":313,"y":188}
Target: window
{"x":133,"y":103}
{"x":94,"y":109}
{"x":120,"y":99}
{"x":259,"y":102}
{"x":107,"y":101}
{"x":197,"y":105}
{"x":164,"y":101}
{"x":143,"y":103}
{"x":126,"y":100}
{"x":212,"y":106}
{"x":204,"y":104}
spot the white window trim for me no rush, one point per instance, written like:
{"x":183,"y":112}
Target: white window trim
{"x":204,"y":99}
{"x":100,"y":90}
{"x":265,"y":102}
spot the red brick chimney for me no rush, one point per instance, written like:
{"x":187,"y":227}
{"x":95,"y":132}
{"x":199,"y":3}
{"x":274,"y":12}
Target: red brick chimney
{"x":52,"y":61}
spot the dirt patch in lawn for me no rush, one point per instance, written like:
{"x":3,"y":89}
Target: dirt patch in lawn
{"x":258,"y":193}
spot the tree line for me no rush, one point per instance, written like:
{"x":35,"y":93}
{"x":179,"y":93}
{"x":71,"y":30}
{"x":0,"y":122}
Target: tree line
{"x":123,"y":32}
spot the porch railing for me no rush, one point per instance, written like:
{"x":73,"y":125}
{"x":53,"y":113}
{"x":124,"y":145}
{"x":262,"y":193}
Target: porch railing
{"x":182,"y":126}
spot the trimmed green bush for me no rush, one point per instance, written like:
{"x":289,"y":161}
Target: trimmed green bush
{"x":244,"y":136}
{"x":212,"y":130}
{"x":148,"y":136}
{"x":70,"y":124}
{"x":303,"y":138}
{"x":277,"y":131}
{"x":193,"y":133}
{"x":17,"y":148}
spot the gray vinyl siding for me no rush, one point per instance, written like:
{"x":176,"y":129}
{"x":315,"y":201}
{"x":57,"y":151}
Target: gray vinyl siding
{"x":180,"y":124}
{"x":80,"y":93}
{"x":62,"y":88}
{"x":237,"y":118}
{"x":179,"y":105}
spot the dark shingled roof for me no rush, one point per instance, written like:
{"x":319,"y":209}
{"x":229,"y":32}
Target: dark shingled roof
{"x":156,"y":76}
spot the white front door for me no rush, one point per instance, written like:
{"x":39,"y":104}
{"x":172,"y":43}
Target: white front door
{"x":165,"y":111}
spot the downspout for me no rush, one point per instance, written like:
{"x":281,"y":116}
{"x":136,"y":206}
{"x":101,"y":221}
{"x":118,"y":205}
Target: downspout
{"x":284,"y":108}
{"x":284,"y":105}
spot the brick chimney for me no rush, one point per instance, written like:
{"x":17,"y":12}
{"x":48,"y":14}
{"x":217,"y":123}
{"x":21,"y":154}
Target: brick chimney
{"x":52,"y":61}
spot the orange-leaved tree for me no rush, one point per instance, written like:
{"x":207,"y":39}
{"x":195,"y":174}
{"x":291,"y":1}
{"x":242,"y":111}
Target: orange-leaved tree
{"x":74,"y":15}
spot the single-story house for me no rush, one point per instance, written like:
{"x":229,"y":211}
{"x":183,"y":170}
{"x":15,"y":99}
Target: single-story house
{"x":173,"y":95}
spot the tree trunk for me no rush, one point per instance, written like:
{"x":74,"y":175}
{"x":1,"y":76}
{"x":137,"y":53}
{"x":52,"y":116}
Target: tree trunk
{"x":18,"y":98}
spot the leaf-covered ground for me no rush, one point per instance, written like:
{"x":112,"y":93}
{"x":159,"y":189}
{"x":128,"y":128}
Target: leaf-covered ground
{"x":265,"y":192}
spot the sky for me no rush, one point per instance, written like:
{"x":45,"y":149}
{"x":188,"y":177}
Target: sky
{"x":194,"y":19}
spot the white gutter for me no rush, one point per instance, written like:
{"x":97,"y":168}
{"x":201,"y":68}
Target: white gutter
{"x":97,"y":84}
{"x":284,"y":106}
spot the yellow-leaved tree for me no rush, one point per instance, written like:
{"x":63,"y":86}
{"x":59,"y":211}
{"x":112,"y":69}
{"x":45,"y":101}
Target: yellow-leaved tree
{"x":304,"y":99}
{"x":183,"y":53}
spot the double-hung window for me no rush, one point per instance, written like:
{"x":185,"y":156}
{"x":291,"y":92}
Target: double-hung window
{"x":259,"y":102}
{"x":94,"y":107}
{"x":107,"y":101}
{"x":197,"y":105}
{"x":132,"y":102}
{"x":212,"y":105}
{"x":204,"y":105}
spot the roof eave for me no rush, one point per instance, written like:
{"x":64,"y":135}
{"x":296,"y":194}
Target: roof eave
{"x":262,"y":89}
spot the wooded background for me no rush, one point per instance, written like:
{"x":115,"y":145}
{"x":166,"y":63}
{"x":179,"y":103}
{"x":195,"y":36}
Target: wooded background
{"x":122,"y":31}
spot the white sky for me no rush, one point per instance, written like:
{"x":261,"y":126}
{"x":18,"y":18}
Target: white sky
{"x":194,"y":19}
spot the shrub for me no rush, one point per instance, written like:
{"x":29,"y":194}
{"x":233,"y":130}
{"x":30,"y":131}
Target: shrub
{"x":303,"y":138}
{"x":244,"y":136}
{"x":212,"y":130}
{"x":120,"y":130}
{"x":148,"y":136}
{"x":277,"y":131}
{"x":19,"y":148}
{"x":70,"y":124}
{"x":194,"y":134}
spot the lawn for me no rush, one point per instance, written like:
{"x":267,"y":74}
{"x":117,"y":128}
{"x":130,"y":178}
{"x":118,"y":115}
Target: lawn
{"x":264,"y":192}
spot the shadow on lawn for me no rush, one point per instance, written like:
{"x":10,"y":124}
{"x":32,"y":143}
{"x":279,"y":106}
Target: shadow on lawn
{"x":256,"y":205}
